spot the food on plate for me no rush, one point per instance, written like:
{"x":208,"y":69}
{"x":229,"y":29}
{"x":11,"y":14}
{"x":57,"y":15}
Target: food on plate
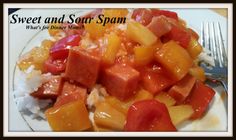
{"x":141,"y":75}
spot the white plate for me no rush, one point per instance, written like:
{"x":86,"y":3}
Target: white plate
{"x":22,"y":40}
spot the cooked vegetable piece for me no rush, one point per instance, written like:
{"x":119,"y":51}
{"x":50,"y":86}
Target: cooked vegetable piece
{"x":52,"y":31}
{"x":69,"y":93}
{"x":82,"y":66}
{"x":198,"y":73}
{"x":47,"y":44}
{"x":143,"y":16}
{"x":165,"y":98}
{"x":199,"y":98}
{"x":175,"y":59}
{"x":98,"y":128}
{"x":193,"y":33}
{"x":95,"y":30}
{"x":148,"y":115}
{"x":49,"y":90}
{"x":143,"y":55}
{"x":60,"y":49}
{"x":182,"y":88}
{"x":120,"y":81}
{"x":72,"y":116}
{"x":36,"y":57}
{"x":113,"y":45}
{"x":142,"y":94}
{"x":155,"y":79}
{"x":159,"y":26}
{"x":54,"y":66}
{"x":117,"y":104}
{"x":170,"y":14}
{"x":180,"y":35}
{"x":108,"y":116}
{"x":180,"y":113}
{"x":141,"y":34}
{"x":119,"y":12}
{"x":194,"y":48}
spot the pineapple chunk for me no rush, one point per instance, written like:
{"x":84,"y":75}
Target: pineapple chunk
{"x":111,"y":49}
{"x":143,"y":95}
{"x":141,"y":34}
{"x":37,"y":56}
{"x":194,"y":48}
{"x":99,"y":128}
{"x":107,"y":116}
{"x":95,"y":30}
{"x":198,"y":73}
{"x":53,"y":31}
{"x":115,"y":12}
{"x":143,"y":55}
{"x":175,"y":59}
{"x":117,"y":104}
{"x":47,"y":44}
{"x":72,"y":116}
{"x":165,"y":98}
{"x":180,"y":113}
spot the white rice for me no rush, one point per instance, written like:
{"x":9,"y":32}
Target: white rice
{"x":206,"y":58}
{"x":27,"y":82}
{"x":30,"y":80}
{"x":96,"y":95}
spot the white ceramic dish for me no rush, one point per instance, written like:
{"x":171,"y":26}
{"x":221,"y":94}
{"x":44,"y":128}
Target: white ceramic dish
{"x":22,"y":40}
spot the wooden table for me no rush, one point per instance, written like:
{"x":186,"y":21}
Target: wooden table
{"x":220,"y":11}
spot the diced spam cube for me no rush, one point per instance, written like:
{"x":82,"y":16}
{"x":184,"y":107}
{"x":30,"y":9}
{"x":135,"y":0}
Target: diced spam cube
{"x":175,"y":59}
{"x":120,"y":81}
{"x":107,"y":116}
{"x":165,"y":98}
{"x":69,"y":93}
{"x":49,"y":90}
{"x":69,"y":117}
{"x":182,"y":88}
{"x":180,"y":113}
{"x":159,"y":26}
{"x":82,"y":66}
{"x":141,"y":34}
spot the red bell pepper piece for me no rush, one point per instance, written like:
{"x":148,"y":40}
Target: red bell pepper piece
{"x":148,"y":115}
{"x":170,"y":14}
{"x":60,"y":49}
{"x":199,"y":99}
{"x":154,"y":79}
{"x":180,"y":35}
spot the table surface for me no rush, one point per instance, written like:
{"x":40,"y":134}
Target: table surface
{"x":220,"y":11}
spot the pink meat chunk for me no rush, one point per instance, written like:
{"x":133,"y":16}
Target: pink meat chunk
{"x":83,"y":67}
{"x":121,"y":81}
